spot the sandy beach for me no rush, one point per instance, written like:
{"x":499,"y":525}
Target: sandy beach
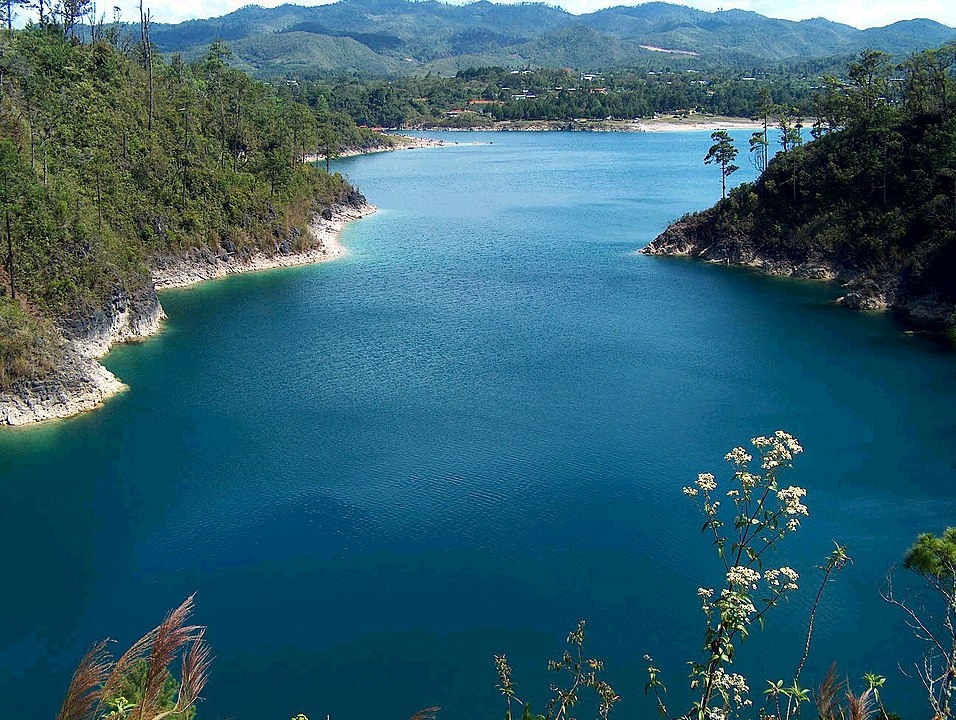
{"x":696,"y":122}
{"x":666,"y":123}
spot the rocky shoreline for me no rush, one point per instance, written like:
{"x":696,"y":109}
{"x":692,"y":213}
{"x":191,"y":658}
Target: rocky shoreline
{"x":199,"y":265}
{"x":866,"y":289}
{"x":80,"y":383}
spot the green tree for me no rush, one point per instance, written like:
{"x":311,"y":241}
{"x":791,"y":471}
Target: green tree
{"x":8,"y":11}
{"x":329,"y":145}
{"x":870,"y":77}
{"x":722,"y":153}
{"x":760,"y":140}
{"x":932,"y":616}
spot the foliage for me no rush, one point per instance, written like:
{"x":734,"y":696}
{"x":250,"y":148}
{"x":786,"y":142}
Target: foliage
{"x":930,"y":612}
{"x":874,"y":192}
{"x":478,"y":96}
{"x":30,"y":346}
{"x":722,"y":153}
{"x":580,"y":671}
{"x":110,"y":156}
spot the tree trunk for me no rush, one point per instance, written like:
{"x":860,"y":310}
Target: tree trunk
{"x":145,"y":21}
{"x":13,"y":291}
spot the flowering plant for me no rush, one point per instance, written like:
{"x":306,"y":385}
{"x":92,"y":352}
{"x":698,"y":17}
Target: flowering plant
{"x":763,"y":513}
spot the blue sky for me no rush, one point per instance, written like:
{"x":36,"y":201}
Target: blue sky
{"x":859,"y":13}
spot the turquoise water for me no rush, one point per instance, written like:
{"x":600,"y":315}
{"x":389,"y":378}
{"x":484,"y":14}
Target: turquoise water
{"x":464,"y":437}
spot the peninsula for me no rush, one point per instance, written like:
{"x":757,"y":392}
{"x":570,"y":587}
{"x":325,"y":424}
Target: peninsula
{"x":870,"y":202}
{"x":118,"y":178}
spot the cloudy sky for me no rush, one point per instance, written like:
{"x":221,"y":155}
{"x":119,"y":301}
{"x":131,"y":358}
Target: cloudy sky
{"x":859,"y":13}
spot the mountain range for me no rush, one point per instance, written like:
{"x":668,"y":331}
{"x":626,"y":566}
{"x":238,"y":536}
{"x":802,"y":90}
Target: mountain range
{"x":402,"y":37}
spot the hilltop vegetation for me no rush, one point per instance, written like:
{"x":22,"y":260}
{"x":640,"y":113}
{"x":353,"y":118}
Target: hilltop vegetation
{"x":480,"y":96}
{"x":871,"y":201}
{"x":402,"y":37}
{"x":110,"y":157}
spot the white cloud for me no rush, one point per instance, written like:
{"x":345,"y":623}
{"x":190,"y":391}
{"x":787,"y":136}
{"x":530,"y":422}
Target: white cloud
{"x":174,"y":11}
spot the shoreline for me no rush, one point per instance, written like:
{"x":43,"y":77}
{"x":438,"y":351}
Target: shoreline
{"x":867,"y":291}
{"x":672,"y":123}
{"x":199,"y":267}
{"x":82,"y":384}
{"x":404,"y":142}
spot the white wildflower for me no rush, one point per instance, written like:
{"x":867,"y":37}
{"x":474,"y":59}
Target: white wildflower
{"x":783,"y":448}
{"x":790,"y":499}
{"x":731,"y":685}
{"x":747,"y":480}
{"x":706,"y":482}
{"x":738,"y":456}
{"x":740,"y":576}
{"x":715,"y":713}
{"x":792,"y":577}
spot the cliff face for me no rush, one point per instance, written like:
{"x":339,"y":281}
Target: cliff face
{"x":707,"y":236}
{"x":79,"y":382}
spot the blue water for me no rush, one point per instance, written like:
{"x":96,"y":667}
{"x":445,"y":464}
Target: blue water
{"x":466,"y":436}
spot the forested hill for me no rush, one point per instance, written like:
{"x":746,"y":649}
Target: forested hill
{"x":871,"y":201}
{"x":398,"y":37}
{"x":112,"y":158}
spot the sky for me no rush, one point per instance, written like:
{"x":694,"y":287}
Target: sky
{"x":858,"y":13}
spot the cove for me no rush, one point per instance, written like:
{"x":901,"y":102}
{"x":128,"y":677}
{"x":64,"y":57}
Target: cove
{"x":466,"y":436}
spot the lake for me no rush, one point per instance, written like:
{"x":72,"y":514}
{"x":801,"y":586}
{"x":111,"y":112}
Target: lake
{"x":464,"y":437}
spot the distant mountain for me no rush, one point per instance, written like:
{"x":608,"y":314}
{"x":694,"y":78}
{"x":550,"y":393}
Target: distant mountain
{"x":395,"y":37}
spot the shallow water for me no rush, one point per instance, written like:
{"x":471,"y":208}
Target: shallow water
{"x":462,"y":438}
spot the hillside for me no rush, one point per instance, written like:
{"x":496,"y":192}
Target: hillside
{"x":871,"y":203}
{"x":395,"y":37}
{"x":113,"y":163}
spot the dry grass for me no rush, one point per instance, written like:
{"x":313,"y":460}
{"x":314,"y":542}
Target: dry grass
{"x":98,"y":678}
{"x":29,"y":346}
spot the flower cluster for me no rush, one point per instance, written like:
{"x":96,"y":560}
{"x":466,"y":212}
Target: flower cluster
{"x":743,"y":577}
{"x":783,"y":579}
{"x":778,"y":451}
{"x":790,"y":499}
{"x":747,"y":480}
{"x":738,"y":456}
{"x":705,"y":482}
{"x":731,"y":685}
